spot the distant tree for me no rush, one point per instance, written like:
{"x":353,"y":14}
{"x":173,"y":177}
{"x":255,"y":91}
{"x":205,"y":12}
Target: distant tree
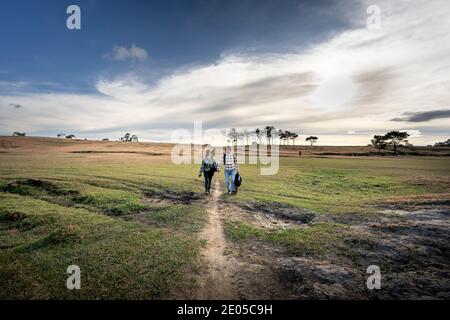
{"x":61,"y":135}
{"x":105,"y":139}
{"x":134,"y":138}
{"x":312,"y":140}
{"x":443,"y":144}
{"x":233,"y":136}
{"x":396,"y":138}
{"x":70,"y":136}
{"x":129,"y":138}
{"x":287,"y":136}
{"x":293,"y":136}
{"x":246,"y":134}
{"x":258,"y":133}
{"x":282,"y":136}
{"x":269,"y":130}
{"x":379,"y":142}
{"x":126,"y":137}
{"x":19,"y":134}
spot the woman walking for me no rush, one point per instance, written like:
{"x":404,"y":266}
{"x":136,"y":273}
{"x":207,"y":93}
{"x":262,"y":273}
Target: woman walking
{"x":208,"y":168}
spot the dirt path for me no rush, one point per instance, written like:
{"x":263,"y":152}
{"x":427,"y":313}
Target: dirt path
{"x":216,"y":281}
{"x":230,"y":268}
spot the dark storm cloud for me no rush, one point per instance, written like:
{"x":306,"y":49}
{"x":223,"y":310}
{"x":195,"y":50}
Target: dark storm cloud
{"x":423,"y":116}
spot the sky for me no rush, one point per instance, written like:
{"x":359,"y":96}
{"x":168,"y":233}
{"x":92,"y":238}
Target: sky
{"x":152,"y":67}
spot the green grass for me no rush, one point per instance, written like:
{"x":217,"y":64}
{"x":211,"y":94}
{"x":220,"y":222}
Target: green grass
{"x":91,"y":214}
{"x":299,"y":241}
{"x":338,"y":186}
{"x":118,"y":259}
{"x":91,"y":211}
{"x":179,"y":218}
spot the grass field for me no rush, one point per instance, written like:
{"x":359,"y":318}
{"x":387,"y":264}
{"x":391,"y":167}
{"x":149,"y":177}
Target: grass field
{"x":63,"y":209}
{"x":131,"y":221}
{"x":334,"y":186}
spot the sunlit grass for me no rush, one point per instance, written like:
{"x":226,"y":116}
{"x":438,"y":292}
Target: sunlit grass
{"x":342,"y":185}
{"x":92,"y":211}
{"x":92,"y":214}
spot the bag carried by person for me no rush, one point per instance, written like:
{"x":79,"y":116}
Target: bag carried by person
{"x":237,"y":180}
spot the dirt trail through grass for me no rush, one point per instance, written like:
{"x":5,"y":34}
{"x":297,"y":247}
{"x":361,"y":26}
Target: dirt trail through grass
{"x":216,"y":282}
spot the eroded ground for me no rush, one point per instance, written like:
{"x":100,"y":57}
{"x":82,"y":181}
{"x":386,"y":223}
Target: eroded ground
{"x":408,"y":240}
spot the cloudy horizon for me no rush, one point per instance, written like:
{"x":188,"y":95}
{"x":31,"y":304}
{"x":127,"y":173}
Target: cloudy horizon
{"x":309,"y":67}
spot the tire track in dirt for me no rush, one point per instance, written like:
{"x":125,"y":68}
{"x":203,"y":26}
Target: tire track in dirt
{"x":216,"y":280}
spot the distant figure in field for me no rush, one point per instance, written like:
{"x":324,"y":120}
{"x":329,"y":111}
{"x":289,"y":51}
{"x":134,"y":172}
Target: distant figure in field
{"x":231,"y":167}
{"x":208,"y":168}
{"x":300,"y":153}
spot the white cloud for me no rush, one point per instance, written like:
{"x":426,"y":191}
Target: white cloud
{"x":133,"y":53}
{"x":413,"y":133}
{"x":359,"y":79}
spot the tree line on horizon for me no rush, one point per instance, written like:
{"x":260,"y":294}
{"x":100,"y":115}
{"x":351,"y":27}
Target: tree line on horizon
{"x":268,"y":133}
{"x":394,"y":138}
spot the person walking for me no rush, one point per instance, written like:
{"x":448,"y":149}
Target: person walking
{"x":208,"y":168}
{"x":230,"y":166}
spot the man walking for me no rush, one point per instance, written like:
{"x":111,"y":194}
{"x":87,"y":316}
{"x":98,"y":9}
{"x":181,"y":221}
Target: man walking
{"x":231,"y":166}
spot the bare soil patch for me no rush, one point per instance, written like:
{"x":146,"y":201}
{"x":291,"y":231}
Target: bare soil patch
{"x":30,"y":186}
{"x":170,"y":197}
{"x":280,"y":211}
{"x":411,"y":246}
{"x":254,"y":257}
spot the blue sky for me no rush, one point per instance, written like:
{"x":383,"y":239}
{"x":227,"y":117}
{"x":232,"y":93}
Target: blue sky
{"x":38,"y":47}
{"x":150,"y":67}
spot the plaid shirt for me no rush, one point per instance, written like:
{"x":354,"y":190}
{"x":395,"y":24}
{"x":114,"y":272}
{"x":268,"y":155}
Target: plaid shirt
{"x":230,"y":162}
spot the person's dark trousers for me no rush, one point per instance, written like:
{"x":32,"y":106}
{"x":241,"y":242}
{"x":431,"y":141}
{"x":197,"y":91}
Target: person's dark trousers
{"x":208,"y":178}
